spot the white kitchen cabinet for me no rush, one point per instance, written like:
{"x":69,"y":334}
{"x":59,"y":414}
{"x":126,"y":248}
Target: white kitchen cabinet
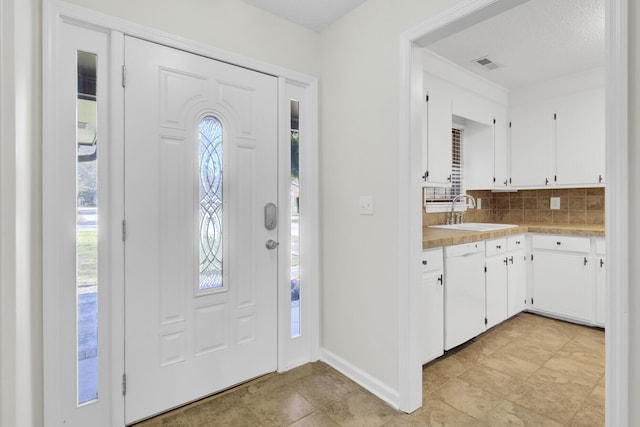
{"x":495,"y":281}
{"x":562,"y":276}
{"x":437,"y":152}
{"x":516,"y":274}
{"x":580,"y":138}
{"x":532,"y":145}
{"x":601,"y":281}
{"x":432,"y":313}
{"x":500,"y":152}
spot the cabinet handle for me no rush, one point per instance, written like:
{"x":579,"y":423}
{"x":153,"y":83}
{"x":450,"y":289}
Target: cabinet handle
{"x":600,"y":179}
{"x":440,"y":279}
{"x":558,"y":243}
{"x":506,"y":261}
{"x":449,"y":178}
{"x":546,"y":181}
{"x":505,"y":182}
{"x":511,"y":259}
{"x":424,"y":262}
{"x":517,"y":242}
{"x":601,"y":263}
{"x":498,"y":247}
{"x":585,"y":260}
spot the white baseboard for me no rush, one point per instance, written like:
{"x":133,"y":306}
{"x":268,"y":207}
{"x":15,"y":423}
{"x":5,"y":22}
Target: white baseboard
{"x":371,"y":384}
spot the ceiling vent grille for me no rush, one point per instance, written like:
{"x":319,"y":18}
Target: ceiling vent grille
{"x":486,"y":63}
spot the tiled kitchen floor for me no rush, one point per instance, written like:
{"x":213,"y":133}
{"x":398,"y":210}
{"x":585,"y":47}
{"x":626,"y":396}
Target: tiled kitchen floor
{"x":528,"y":371}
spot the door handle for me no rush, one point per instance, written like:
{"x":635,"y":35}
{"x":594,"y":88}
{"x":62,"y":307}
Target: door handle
{"x":271,"y":244}
{"x":270,"y":216}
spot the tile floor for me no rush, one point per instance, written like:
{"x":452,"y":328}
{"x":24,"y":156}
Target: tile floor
{"x":527,"y":371}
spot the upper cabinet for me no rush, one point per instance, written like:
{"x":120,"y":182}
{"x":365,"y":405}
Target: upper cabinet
{"x":532,"y":145}
{"x":437,"y":152}
{"x":580,"y":137}
{"x":559,"y":141}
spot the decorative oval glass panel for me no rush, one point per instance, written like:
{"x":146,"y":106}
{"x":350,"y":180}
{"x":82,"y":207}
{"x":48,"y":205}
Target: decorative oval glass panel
{"x":210,"y":203}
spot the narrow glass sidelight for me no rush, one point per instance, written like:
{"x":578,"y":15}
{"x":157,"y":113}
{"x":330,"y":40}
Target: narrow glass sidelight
{"x":87,"y":228}
{"x":210,"y":229}
{"x":295,"y":219}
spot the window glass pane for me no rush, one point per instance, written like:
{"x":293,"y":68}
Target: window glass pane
{"x":87,"y":228}
{"x":295,"y":220}
{"x":210,"y":203}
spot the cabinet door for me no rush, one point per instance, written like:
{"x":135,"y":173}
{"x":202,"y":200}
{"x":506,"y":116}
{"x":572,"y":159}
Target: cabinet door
{"x":437,"y":134}
{"x":500,"y":152}
{"x":562,"y":284}
{"x":433,"y":315}
{"x":601,"y":291}
{"x":516,"y":282}
{"x":580,"y":138}
{"x":496,"y":290}
{"x":532,"y":145}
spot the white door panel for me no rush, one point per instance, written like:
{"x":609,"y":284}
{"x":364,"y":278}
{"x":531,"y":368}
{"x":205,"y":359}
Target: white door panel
{"x":184,"y":342}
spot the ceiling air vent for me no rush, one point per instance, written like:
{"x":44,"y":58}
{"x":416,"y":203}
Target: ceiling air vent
{"x":486,"y":63}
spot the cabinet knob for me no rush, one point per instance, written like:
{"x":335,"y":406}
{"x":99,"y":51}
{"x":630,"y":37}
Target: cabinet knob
{"x":601,"y":263}
{"x":558,"y":243}
{"x":424,"y":262}
{"x":585,"y":260}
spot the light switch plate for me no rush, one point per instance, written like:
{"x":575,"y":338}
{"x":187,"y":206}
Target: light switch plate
{"x":555,"y":203}
{"x":366,"y":205}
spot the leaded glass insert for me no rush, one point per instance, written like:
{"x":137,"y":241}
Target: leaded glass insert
{"x":210,"y":203}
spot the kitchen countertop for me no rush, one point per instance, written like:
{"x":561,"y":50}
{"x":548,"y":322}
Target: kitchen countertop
{"x":436,"y":237}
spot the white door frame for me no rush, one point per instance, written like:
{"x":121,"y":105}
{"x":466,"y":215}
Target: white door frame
{"x":291,"y":352}
{"x":410,"y":232}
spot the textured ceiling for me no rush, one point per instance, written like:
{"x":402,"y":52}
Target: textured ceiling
{"x":535,"y":41}
{"x":313,"y":14}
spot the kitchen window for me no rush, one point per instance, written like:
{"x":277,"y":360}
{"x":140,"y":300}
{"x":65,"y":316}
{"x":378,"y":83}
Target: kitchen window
{"x":438,"y":199}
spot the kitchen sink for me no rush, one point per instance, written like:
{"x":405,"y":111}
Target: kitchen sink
{"x":474,"y":226}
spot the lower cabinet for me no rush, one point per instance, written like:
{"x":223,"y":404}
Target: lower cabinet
{"x":432,"y":313}
{"x":496,"y":275}
{"x":601,"y":280}
{"x":563,"y":276}
{"x":516,"y":274}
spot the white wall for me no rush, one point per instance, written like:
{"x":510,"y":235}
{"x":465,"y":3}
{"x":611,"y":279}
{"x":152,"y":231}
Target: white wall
{"x":359,"y":104}
{"x":634,"y":213}
{"x":226,"y":24}
{"x":20,"y":218}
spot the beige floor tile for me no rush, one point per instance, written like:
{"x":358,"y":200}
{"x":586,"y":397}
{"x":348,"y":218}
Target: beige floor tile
{"x":432,"y":379}
{"x":223,"y":410}
{"x":434,"y":413}
{"x":510,"y":365}
{"x":277,"y":406}
{"x":492,"y":340}
{"x":552,"y":405}
{"x":524,"y":350}
{"x":592,"y":411}
{"x":570,"y":387}
{"x":172,"y":419}
{"x":475,"y":350}
{"x":450,"y":366}
{"x":316,"y":419}
{"x":467,"y":398}
{"x":306,"y":370}
{"x":567,"y":363}
{"x":324,"y":388}
{"x":509,"y":414}
{"x":360,"y":409}
{"x":493,"y":381}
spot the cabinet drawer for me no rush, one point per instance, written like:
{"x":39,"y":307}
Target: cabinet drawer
{"x":601,"y":248}
{"x":562,"y":243}
{"x":496,"y":246}
{"x":515,"y":242}
{"x":432,"y":260}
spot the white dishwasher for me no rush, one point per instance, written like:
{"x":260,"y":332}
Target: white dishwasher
{"x":464,"y":294}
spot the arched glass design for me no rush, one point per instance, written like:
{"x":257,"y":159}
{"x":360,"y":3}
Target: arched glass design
{"x":210,"y":232}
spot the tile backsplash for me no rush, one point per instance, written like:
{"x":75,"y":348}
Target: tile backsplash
{"x":577,"y":206}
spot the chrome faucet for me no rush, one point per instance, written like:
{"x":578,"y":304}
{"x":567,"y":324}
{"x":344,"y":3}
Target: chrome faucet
{"x":451,"y":219}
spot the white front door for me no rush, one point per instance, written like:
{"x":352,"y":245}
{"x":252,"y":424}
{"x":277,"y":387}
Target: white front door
{"x":200,"y":282}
